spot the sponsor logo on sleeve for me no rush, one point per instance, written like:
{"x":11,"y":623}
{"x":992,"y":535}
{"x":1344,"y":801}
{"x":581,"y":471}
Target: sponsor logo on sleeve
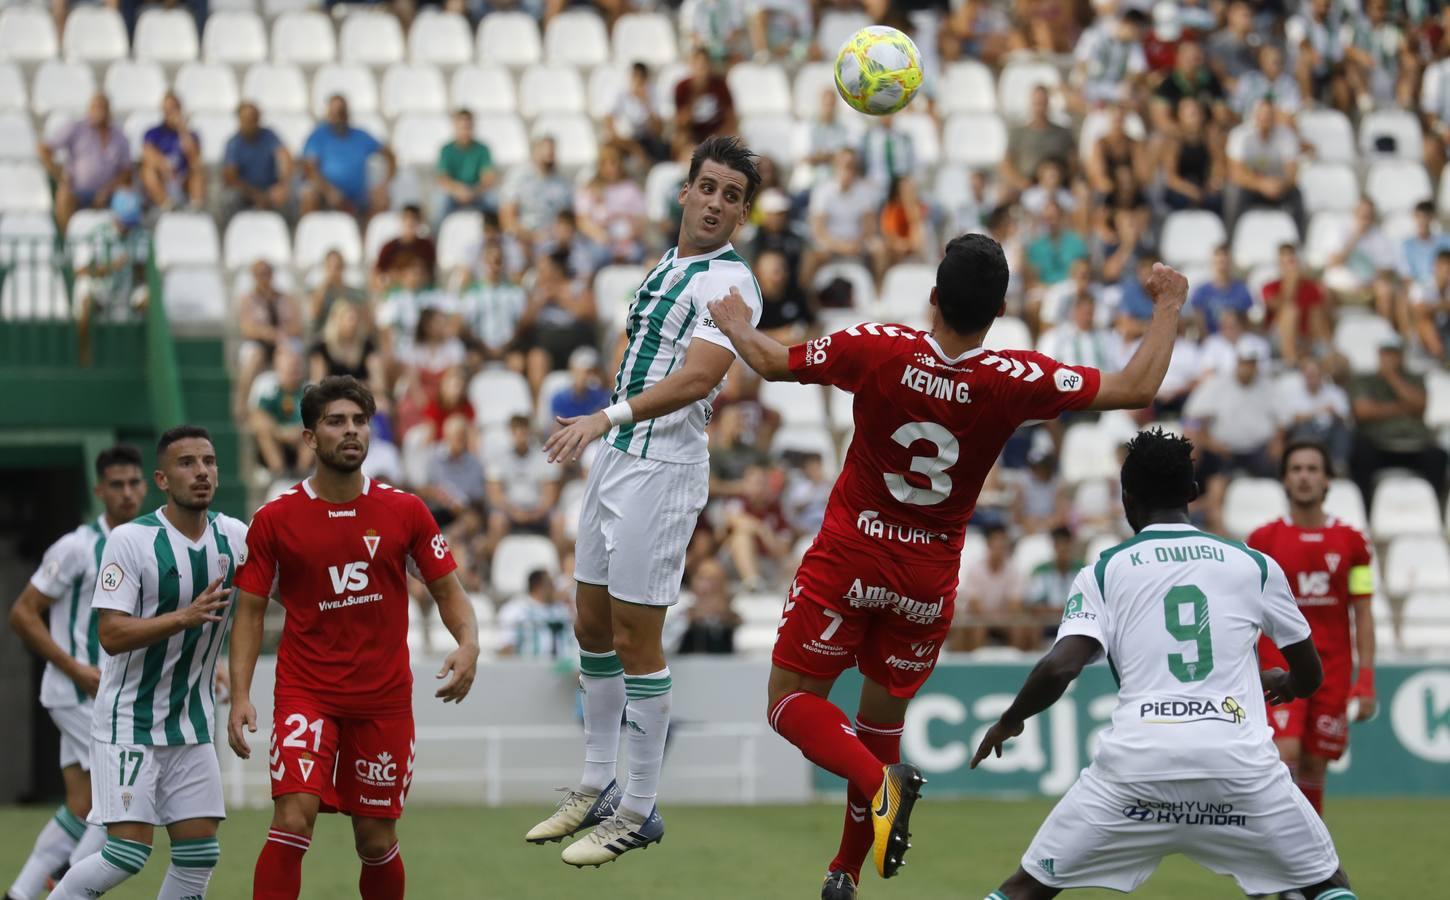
{"x":816,"y":350}
{"x":1067,"y":380}
{"x":1074,"y":610}
{"x":112,"y":578}
{"x":440,"y":546}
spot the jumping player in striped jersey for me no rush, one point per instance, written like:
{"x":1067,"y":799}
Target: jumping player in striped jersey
{"x":72,"y":651}
{"x":162,"y":600}
{"x":647,"y":486}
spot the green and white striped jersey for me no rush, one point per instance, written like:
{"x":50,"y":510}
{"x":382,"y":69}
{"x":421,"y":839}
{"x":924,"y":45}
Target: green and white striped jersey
{"x":667,"y":313}
{"x":162,"y":694}
{"x":67,"y":575}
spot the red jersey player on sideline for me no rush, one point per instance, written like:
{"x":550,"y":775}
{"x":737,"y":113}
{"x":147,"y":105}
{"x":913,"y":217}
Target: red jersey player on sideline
{"x":1328,"y":566}
{"x":341,"y":547}
{"x":876,"y":589}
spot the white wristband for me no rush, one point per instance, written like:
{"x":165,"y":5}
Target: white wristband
{"x":620,"y":413}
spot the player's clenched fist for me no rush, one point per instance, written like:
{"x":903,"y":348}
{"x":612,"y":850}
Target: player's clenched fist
{"x":730,"y":312}
{"x":1167,"y":285}
{"x":243,"y":717}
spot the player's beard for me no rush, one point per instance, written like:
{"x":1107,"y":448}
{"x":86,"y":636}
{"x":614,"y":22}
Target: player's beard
{"x":335,"y":461}
{"x":186,"y":502}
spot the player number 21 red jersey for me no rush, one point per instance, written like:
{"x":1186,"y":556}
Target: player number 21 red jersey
{"x":342,"y":569}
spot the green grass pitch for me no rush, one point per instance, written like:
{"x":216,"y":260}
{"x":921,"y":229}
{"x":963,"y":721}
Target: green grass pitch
{"x":962,"y":850}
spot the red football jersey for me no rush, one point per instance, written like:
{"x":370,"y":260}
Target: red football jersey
{"x":1328,"y":568}
{"x":929,"y":427}
{"x":343,"y":571}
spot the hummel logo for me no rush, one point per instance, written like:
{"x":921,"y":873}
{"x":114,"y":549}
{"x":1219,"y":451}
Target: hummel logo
{"x":1014,"y":367}
{"x":342,"y":514}
{"x":857,"y":813}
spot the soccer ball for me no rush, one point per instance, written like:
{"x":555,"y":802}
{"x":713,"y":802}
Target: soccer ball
{"x":878,"y":70}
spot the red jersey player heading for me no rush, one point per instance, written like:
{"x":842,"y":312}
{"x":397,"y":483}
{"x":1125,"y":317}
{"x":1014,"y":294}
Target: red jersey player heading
{"x":877,"y":588}
{"x":1328,"y":566}
{"x":340,"y":547}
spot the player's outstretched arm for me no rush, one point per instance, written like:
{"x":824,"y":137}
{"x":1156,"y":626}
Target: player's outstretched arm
{"x":1044,"y":686}
{"x":456,"y":614}
{"x":120,"y":632}
{"x":704,"y":367}
{"x":242,"y":664}
{"x":1305,"y":674}
{"x":26,"y":619}
{"x":1137,"y":384}
{"x":767,"y":356}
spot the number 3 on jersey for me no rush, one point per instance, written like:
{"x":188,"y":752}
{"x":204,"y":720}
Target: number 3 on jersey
{"x":933,"y":466}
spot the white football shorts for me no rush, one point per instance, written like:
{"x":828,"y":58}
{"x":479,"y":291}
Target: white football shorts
{"x":74,"y":725}
{"x":1259,"y":829}
{"x":155,"y":784}
{"x":637,"y":518}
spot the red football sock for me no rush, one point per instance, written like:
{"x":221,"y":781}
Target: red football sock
{"x":857,"y":833}
{"x":382,"y":879}
{"x":278,"y":875}
{"x":823,"y":734}
{"x":1313,"y":790}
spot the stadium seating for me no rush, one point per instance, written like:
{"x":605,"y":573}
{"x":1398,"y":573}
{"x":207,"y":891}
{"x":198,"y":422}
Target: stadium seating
{"x":1346,"y":503}
{"x":1016,"y":82}
{"x":440,"y":39}
{"x":1425,"y":618}
{"x":498,"y":394}
{"x":1258,"y":234}
{"x":798,"y":404}
{"x":1398,"y":129}
{"x":644,"y":37}
{"x":275,"y":88}
{"x":507,"y":139}
{"x":576,"y":38}
{"x":61,"y":87}
{"x":27,"y":35}
{"x":759,"y":90}
{"x":17,"y":137}
{"x":1396,"y":185}
{"x":134,"y":87}
{"x":614,"y":289}
{"x":517,"y":556}
{"x":968,"y":87}
{"x":166,"y":36}
{"x":576,"y":146}
{"x":354,"y":82}
{"x":95,"y":35}
{"x":805,"y":439}
{"x":417,"y":137}
{"x":303,"y":38}
{"x":1328,"y":186}
{"x":195,"y":296}
{"x":234,"y":38}
{"x":977,"y":140}
{"x":1250,"y":502}
{"x":1088,"y":452}
{"x":1031,"y":551}
{"x":550,"y":89}
{"x":1190,"y":236}
{"x":1404,"y":506}
{"x":207,"y":87}
{"x":1359,"y":339}
{"x":1327,"y":131}
{"x":319,"y":232}
{"x":255,"y":235}
{"x":458,"y":238}
{"x":23,"y":188}
{"x":371,"y":39}
{"x":13,"y":95}
{"x":1008,"y":333}
{"x":483,"y":90}
{"x":186,"y":239}
{"x":836,"y":27}
{"x":509,"y":39}
{"x":1416,"y":563}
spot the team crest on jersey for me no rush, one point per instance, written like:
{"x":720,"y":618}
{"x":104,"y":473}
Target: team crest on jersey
{"x":672,"y":279}
{"x":126,"y":798}
{"x":224,"y":564}
{"x":305,"y":763}
{"x":371,"y":541}
{"x":1332,"y":561}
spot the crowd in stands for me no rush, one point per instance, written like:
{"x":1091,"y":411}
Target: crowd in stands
{"x":1284,"y":155}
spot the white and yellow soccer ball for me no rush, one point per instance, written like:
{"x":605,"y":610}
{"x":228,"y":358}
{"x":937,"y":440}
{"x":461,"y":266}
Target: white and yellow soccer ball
{"x":878,"y":70}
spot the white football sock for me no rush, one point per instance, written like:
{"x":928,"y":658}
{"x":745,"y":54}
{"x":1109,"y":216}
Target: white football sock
{"x":94,"y":875}
{"x":647,"y":720}
{"x":192,"y":862}
{"x":52,"y":848}
{"x":90,"y":843}
{"x":601,"y":679}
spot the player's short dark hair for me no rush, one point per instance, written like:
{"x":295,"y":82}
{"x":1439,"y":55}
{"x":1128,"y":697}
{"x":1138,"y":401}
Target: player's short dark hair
{"x":538,"y":578}
{"x":1158,"y":473}
{"x":1298,"y":444}
{"x":172,"y":435}
{"x":119,"y":455}
{"x":993,"y":528}
{"x":316,"y":398}
{"x":519,"y":420}
{"x":730,"y":152}
{"x":1425,"y":206}
{"x":1061,"y":533}
{"x":971,"y":282}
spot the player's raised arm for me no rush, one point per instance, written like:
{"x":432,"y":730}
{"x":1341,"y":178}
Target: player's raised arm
{"x":456,"y":614}
{"x":1137,"y":384}
{"x":767,"y":356}
{"x":1044,"y":686}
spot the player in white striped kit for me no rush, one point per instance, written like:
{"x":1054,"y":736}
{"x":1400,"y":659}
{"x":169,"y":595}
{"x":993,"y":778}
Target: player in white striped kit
{"x":647,"y":486}
{"x":71,"y":648}
{"x":162,"y":598}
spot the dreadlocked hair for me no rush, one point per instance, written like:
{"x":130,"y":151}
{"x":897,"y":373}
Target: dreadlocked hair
{"x":1158,"y":472}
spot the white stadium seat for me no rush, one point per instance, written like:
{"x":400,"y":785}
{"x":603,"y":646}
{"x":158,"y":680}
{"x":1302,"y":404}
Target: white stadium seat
{"x":505,"y":136}
{"x":13,"y":95}
{"x":1404,"y":505}
{"x":292,"y":128}
{"x":1328,"y":186}
{"x":27,"y":34}
{"x":167,"y":36}
{"x":186,"y":239}
{"x":1088,"y":453}
{"x":17,"y":137}
{"x":666,"y":79}
{"x":61,"y":87}
{"x":509,"y":39}
{"x":1250,"y":502}
{"x":213,"y":130}
{"x":23,"y":188}
{"x":554,"y":382}
{"x":575,"y":143}
{"x":798,"y":404}
{"x":773,"y":136}
{"x":134,"y":86}
{"x":303,"y":38}
{"x":1190,"y":236}
{"x":1328,"y":131}
{"x":576,"y":38}
{"x":483,"y":90}
{"x":275,"y":88}
{"x":382,"y":227}
{"x":976,"y":140}
{"x":1425,"y":622}
{"x":805,"y":439}
{"x":26,"y":238}
{"x":516,"y":557}
{"x":236,"y":38}
{"x":1328,"y":230}
{"x":1399,"y":127}
{"x":1346,"y":503}
{"x":837,"y":26}
{"x":34,"y":292}
{"x":195,"y":295}
{"x":458,"y":238}
{"x":922,"y":128}
{"x":417,"y":138}
{"x":1258,"y":234}
{"x":94,"y":34}
{"x":1443,"y":206}
{"x":1016,"y":83}
{"x":968,"y":87}
{"x":134,"y":127}
{"x":1031,"y":551}
{"x":371,"y":39}
{"x":863,"y":288}
{"x":319,"y":232}
{"x":440,"y":39}
{"x":812,"y":81}
{"x":1358,"y":339}
{"x":906,"y":293}
{"x":606,"y":84}
{"x":1437,"y":397}
{"x":1396,"y":184}
{"x":1098,"y":123}
{"x":644,"y":37}
{"x":614,"y":289}
{"x":550,"y":89}
{"x":1416,"y":563}
{"x":413,"y":88}
{"x":353,"y":81}
{"x":1008,"y":333}
{"x":758,"y":89}
{"x":661,"y":185}
{"x":498,"y":394}
{"x":207,"y":87}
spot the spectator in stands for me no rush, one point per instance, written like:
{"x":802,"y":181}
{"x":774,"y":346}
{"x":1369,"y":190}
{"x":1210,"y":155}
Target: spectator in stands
{"x":1295,"y":308}
{"x":1316,"y":54}
{"x":732,"y":452}
{"x":1388,"y":299}
{"x":523,"y":487}
{"x":757,"y":534}
{"x":110,"y":264}
{"x":785,"y":312}
{"x":1114,"y":151}
{"x":1037,"y":139}
{"x":703,"y":105}
{"x":1235,"y":424}
{"x":450,"y":402}
{"x":98,"y":161}
{"x":491,"y":306}
{"x":780,"y":29}
{"x":1079,"y":341}
{"x":1190,"y":79}
{"x":1269,"y":82}
{"x":1263,"y":163}
{"x":1363,"y":252}
{"x":1048,"y":588}
{"x":456,"y":494}
{"x":1233,"y":49}
{"x":586,"y":256}
{"x":1108,"y":61}
{"x":1042,"y":502}
{"x":585,"y":393}
{"x":335,"y":163}
{"x":172,"y":173}
{"x":275,"y":417}
{"x":991,"y":595}
{"x":1316,"y":408}
{"x":536,"y":624}
{"x":1050,"y":183}
{"x":1222,"y":291}
{"x":1418,"y":251}
{"x":887,"y":153}
{"x":716,"y":29}
{"x":844,"y":218}
{"x":334,"y":289}
{"x":400,"y":316}
{"x":466,"y":175}
{"x":345,"y":346}
{"x":1390,"y":430}
{"x":712,"y":620}
{"x":559,"y":318}
{"x":267,"y":318}
{"x":634,"y":125}
{"x":904,"y":222}
{"x":807,"y":489}
{"x":1192,"y":163}
{"x":256,"y":167}
{"x":1220,"y":351}
{"x":1432,"y":308}
{"x":1118,"y":242}
{"x":411,"y":246}
{"x":1051,"y":254}
{"x":435,"y":350}
{"x":825,"y":136}
{"x":976,"y":29}
{"x":610,"y":210}
{"x":534,"y":194}
{"x":779,"y":234}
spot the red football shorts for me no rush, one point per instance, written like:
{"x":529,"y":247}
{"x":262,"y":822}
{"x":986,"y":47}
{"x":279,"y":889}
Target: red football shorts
{"x":361,"y":767}
{"x":1320,"y":721}
{"x":886,"y":617}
